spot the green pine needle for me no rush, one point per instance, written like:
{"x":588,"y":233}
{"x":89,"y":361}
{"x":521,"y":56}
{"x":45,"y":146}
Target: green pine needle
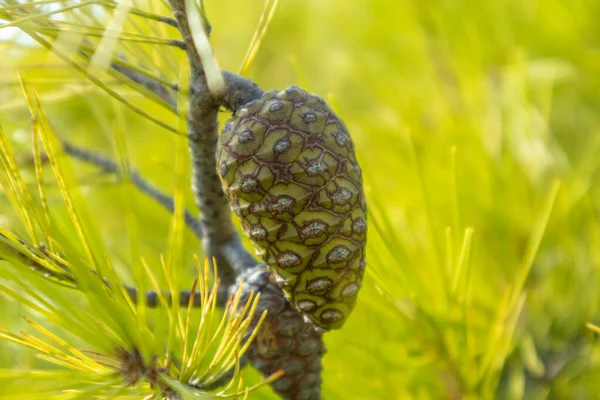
{"x":132,"y":345}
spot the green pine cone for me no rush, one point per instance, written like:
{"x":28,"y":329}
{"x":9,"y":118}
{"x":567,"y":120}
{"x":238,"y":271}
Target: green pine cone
{"x":288,"y":167}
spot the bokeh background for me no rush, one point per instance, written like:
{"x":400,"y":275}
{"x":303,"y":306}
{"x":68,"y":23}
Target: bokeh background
{"x":477,"y":124}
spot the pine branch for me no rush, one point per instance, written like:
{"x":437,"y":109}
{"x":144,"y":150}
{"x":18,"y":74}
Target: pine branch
{"x":240,"y":259}
{"x":220,"y":240}
{"x":151,"y":297}
{"x":148,"y":83}
{"x":156,"y":88}
{"x":138,"y":180}
{"x":287,"y":340}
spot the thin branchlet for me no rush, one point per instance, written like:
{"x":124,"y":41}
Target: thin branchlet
{"x":109,"y":166}
{"x":238,"y":91}
{"x":156,"y":88}
{"x":150,"y":84}
{"x":151,"y":297}
{"x":232,"y":251}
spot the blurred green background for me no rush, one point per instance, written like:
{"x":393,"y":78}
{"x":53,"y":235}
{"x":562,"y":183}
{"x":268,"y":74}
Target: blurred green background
{"x":483,"y":270}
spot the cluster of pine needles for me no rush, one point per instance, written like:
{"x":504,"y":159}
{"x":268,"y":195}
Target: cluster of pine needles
{"x":109,"y":345}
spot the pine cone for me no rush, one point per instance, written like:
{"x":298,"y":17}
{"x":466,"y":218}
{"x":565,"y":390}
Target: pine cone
{"x":288,"y":167}
{"x":285,"y":341}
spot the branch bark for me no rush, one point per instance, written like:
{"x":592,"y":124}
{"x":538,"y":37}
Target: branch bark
{"x":287,"y":340}
{"x":220,"y":238}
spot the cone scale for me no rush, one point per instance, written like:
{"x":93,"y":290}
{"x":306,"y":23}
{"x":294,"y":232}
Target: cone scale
{"x":288,"y":168}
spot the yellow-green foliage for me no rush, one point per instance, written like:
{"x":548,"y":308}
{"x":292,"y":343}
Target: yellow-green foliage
{"x":477,"y":125}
